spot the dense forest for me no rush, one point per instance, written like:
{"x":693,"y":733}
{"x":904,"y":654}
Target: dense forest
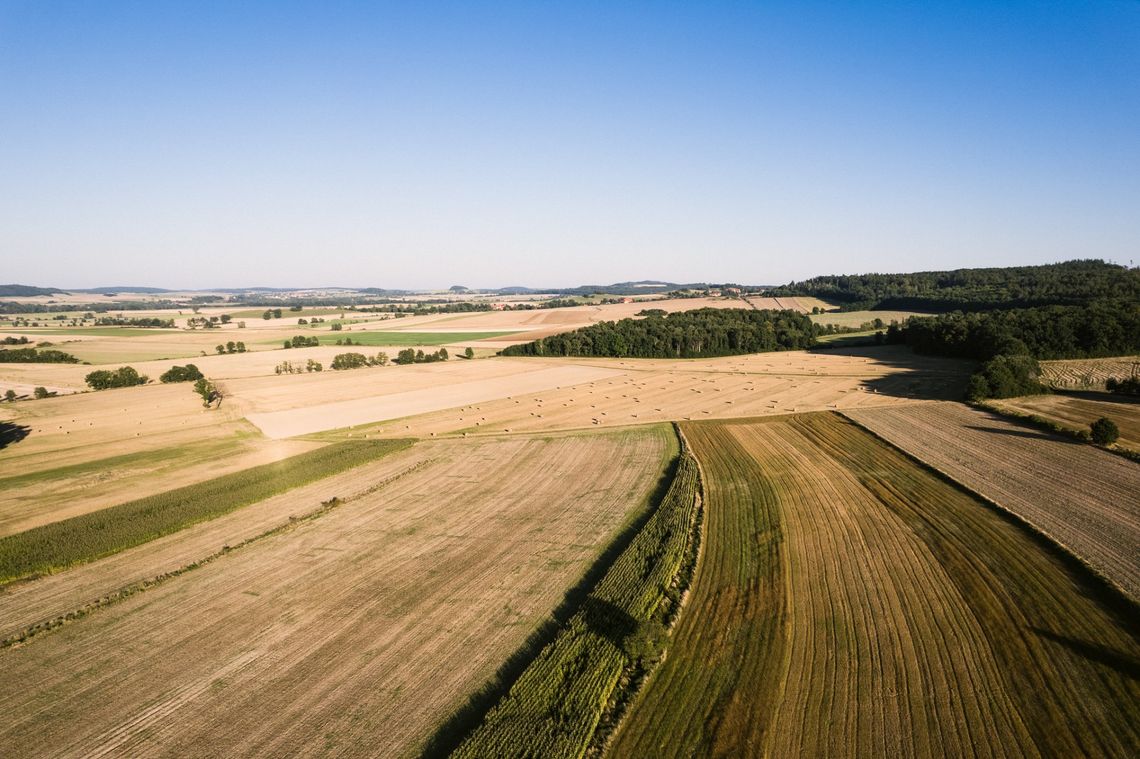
{"x":1069,"y":283}
{"x":688,"y":334}
{"x":1104,"y":328}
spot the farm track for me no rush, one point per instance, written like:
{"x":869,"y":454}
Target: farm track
{"x":353,"y":633}
{"x":1082,"y":498}
{"x":900,"y":616}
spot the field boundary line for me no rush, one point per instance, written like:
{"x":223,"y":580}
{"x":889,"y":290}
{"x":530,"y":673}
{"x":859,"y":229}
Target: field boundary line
{"x":621,"y":699}
{"x":1117,"y":600}
{"x":24,"y":636}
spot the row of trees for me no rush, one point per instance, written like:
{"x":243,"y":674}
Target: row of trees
{"x":358,"y":360}
{"x":36,"y":356}
{"x":296,"y":367}
{"x":688,"y":334}
{"x":119,"y":321}
{"x":232,"y":347}
{"x":1068,"y":283}
{"x":413,"y":356}
{"x":300,"y":341}
{"x":39,"y":394}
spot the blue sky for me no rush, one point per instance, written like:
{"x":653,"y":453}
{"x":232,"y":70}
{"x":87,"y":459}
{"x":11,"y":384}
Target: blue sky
{"x":424,"y":144}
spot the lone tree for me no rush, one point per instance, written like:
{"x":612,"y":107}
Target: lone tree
{"x":10,"y":396}
{"x":1104,"y":431}
{"x":468,"y":352}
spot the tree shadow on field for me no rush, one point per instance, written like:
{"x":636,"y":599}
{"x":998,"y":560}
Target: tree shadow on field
{"x":1119,"y":661}
{"x":1026,"y":433}
{"x":12,"y":433}
{"x":910,"y":374}
{"x":469,"y":715}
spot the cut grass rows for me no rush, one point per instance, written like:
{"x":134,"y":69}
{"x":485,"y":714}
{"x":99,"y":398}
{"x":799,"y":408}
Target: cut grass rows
{"x":87,"y":537}
{"x":555,"y":706}
{"x":849,"y":602}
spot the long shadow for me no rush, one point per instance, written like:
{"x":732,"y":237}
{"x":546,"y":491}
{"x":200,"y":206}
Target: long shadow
{"x":471,"y":714}
{"x":1099,"y":396}
{"x":1031,"y":434}
{"x":11,"y":434}
{"x":1125,"y":664}
{"x":913,"y":375}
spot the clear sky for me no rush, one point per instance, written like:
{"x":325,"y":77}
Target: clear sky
{"x":190,"y":145}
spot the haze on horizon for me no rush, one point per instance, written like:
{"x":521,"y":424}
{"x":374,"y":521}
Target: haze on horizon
{"x":408,"y":146}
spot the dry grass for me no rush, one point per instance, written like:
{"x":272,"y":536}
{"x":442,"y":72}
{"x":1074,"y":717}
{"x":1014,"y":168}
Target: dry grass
{"x":354,"y":633}
{"x":849,"y":603}
{"x":1078,"y":412}
{"x":1082,"y":498}
{"x":1088,"y":373}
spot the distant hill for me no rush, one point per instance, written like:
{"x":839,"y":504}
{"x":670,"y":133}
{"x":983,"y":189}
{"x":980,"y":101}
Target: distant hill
{"x":123,"y":289}
{"x":25,"y":291}
{"x":1066,"y":284}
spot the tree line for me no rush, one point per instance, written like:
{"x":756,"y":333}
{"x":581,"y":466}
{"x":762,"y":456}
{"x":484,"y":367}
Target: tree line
{"x":699,"y":333}
{"x":1068,"y":283}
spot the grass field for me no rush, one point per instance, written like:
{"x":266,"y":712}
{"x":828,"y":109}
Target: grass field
{"x":1078,"y":412}
{"x":91,"y":536}
{"x":849,"y":603}
{"x":1082,"y":498}
{"x":356,"y":632}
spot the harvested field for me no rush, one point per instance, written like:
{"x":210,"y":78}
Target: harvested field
{"x":1077,"y":412}
{"x":859,"y":318}
{"x":653,"y":390}
{"x":353,"y":633}
{"x":849,"y":603}
{"x":1082,"y":498}
{"x":802,"y":304}
{"x":1088,"y":373}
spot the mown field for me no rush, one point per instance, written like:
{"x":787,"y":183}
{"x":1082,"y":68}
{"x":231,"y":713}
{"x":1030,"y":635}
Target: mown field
{"x":1082,"y":498}
{"x":1087,"y":373}
{"x":405,"y":339}
{"x":1077,"y":412}
{"x":850,"y":603}
{"x":354,"y":633}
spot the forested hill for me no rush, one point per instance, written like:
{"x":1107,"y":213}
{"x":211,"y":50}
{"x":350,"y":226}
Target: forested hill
{"x":699,"y":333}
{"x":25,"y":291}
{"x":1069,"y":283}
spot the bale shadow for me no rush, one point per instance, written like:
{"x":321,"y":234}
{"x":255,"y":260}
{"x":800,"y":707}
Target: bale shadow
{"x":10,"y":433}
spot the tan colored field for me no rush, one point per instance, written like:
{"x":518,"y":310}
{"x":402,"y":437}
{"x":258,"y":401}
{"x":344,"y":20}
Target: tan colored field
{"x":356,"y":633}
{"x":802,"y":304}
{"x":859,"y":318}
{"x":849,"y":603}
{"x":651,"y":390}
{"x":1082,"y":498}
{"x":1088,"y":373}
{"x":1078,"y":412}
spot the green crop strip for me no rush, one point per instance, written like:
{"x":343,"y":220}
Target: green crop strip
{"x":88,"y":537}
{"x":614,"y":638}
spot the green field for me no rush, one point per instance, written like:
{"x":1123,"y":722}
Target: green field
{"x":850,"y":602}
{"x":84,"y":538}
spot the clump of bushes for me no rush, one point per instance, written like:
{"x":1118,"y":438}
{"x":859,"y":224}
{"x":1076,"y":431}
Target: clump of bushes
{"x":187,"y":373}
{"x":230,"y":347}
{"x":36,"y":356}
{"x":1104,"y":431}
{"x":413,"y":356}
{"x":1129,"y":386}
{"x":124,"y":376}
{"x":300,"y":341}
{"x":358,"y":360}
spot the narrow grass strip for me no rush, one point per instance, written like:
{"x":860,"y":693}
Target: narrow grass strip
{"x":56,"y":546}
{"x":555,"y":706}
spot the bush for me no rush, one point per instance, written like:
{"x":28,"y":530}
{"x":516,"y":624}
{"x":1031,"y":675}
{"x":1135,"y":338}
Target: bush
{"x":42,"y":392}
{"x":124,"y":376}
{"x":349,"y":361}
{"x":1104,"y":431}
{"x":1129,"y":386}
{"x":187,"y":373}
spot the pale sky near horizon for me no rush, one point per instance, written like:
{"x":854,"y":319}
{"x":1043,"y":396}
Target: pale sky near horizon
{"x":415,"y":145}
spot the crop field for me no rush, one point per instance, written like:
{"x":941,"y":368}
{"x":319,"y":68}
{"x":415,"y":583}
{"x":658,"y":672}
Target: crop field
{"x":859,"y":318}
{"x":1081,"y":497}
{"x":1088,"y":373}
{"x":1078,"y":412}
{"x":404,"y":339}
{"x":802,"y":304}
{"x":849,"y":603}
{"x":359,"y":630}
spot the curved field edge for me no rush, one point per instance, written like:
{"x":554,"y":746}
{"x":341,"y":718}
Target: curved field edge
{"x":582,"y":677}
{"x":1067,"y":655}
{"x":88,"y":537}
